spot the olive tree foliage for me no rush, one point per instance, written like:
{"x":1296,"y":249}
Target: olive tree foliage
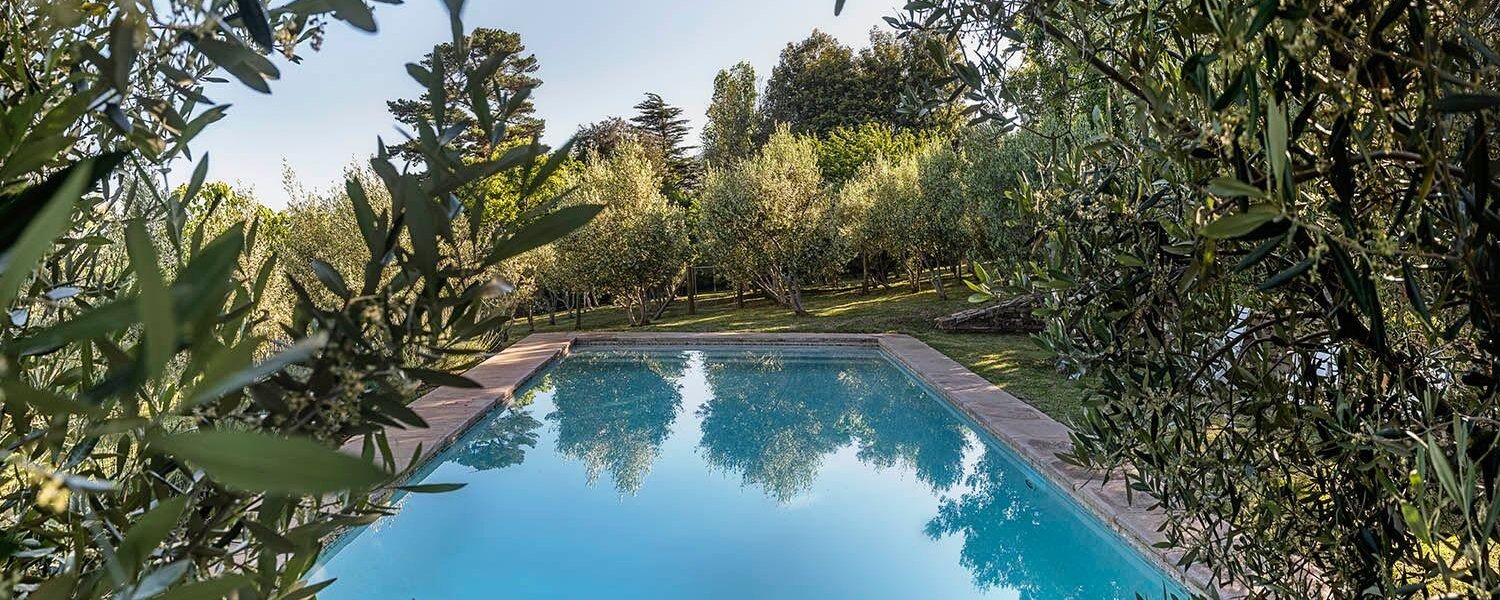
{"x":1005,"y":182}
{"x":910,"y":208}
{"x":155,"y":442}
{"x":323,"y":226}
{"x":946,"y":230}
{"x":880,"y":214}
{"x":769,"y":223}
{"x":637,"y":248}
{"x":1280,"y":268}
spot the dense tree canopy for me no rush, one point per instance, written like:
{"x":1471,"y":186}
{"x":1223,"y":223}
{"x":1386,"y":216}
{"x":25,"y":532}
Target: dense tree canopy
{"x":1264,"y":236}
{"x":768,"y":222}
{"x":636,"y":249}
{"x":812,"y":88}
{"x":880,"y":210}
{"x":600,"y":140}
{"x":819,"y":84}
{"x":846,"y":149}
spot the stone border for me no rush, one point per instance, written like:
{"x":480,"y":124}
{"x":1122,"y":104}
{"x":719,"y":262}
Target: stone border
{"x":1032,"y":435}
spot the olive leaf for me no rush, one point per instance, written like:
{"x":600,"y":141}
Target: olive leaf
{"x":259,"y":462}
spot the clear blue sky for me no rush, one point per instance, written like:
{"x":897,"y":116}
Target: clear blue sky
{"x":597,"y":59}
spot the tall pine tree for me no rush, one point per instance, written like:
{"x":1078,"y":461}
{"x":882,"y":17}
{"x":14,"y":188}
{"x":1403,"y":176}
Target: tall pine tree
{"x":662,"y":124}
{"x":513,"y":75}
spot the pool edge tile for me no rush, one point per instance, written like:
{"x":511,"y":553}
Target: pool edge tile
{"x":450,"y":411}
{"x":1037,"y":438}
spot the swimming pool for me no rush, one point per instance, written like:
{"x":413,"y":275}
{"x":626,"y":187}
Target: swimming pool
{"x":733,"y":472}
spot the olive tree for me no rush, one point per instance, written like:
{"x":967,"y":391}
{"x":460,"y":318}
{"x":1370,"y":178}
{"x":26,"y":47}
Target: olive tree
{"x":948,"y":223}
{"x":768,"y":221}
{"x":1002,"y":172}
{"x":911,"y":209}
{"x":637,"y":248}
{"x":156,"y":443}
{"x":1279,"y":266}
{"x":881,"y":215}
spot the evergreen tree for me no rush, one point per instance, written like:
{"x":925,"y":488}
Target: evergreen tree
{"x":601,"y":139}
{"x":902,"y":84}
{"x":512,"y":76}
{"x":662,"y":125}
{"x":810,"y":89}
{"x":733,"y":121}
{"x":820,"y":85}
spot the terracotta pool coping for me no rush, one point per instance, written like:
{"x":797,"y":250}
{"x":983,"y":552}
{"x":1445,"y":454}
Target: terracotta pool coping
{"x":1030,"y":433}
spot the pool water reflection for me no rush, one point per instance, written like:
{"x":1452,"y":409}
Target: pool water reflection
{"x":733,"y":473}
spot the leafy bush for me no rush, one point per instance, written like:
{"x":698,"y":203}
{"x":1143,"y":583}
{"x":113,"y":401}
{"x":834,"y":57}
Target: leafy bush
{"x":844,"y":150}
{"x":157,"y":443}
{"x":1279,"y":265}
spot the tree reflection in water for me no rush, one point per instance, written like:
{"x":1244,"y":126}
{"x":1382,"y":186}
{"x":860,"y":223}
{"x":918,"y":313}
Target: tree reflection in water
{"x":613,"y":415}
{"x":1001,"y":517}
{"x":499,"y":442}
{"x":773,"y":418}
{"x":774,"y":425}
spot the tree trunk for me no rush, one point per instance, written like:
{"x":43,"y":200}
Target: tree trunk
{"x":505,"y":331}
{"x":530,"y":314}
{"x":937,"y":284}
{"x":794,"y":299}
{"x":692,"y":290}
{"x":551,"y":308}
{"x":578,"y":313}
{"x":864,"y":274}
{"x":739,"y":296}
{"x":663,"y":308}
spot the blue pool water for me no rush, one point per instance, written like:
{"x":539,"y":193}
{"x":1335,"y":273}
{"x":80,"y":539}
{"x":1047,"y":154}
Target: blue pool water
{"x":733,"y":473}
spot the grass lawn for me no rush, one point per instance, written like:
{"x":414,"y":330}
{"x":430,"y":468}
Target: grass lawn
{"x":1013,"y":362}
